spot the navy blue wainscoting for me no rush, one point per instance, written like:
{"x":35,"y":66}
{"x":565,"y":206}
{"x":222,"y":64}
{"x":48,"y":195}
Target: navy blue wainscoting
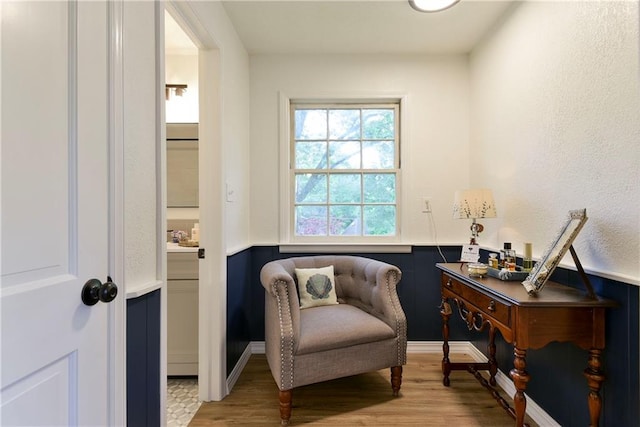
{"x":239,"y":306}
{"x":143,"y":360}
{"x":419,"y":292}
{"x":557,"y":383}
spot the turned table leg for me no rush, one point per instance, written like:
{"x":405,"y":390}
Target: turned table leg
{"x":445,"y":311}
{"x":493,"y":364}
{"x":520,"y":378}
{"x":595,"y":378}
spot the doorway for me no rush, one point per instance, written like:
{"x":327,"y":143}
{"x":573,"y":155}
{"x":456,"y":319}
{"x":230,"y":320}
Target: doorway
{"x":183,"y":218}
{"x":212,"y":268}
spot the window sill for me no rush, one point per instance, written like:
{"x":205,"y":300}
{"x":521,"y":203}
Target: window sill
{"x":371,"y":248}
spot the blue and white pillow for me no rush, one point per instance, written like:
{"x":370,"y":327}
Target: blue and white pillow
{"x":316,"y":286}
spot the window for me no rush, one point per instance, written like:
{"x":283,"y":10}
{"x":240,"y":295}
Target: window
{"x":344,"y":170}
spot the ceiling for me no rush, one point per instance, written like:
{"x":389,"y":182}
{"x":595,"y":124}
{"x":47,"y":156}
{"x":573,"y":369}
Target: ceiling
{"x":351,"y":27}
{"x":176,"y":41}
{"x":362,"y":26}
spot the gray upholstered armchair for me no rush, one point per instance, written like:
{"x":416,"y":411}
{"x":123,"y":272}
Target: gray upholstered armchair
{"x":366,"y":331}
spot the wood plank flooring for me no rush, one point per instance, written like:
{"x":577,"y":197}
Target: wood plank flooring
{"x":362,"y":400}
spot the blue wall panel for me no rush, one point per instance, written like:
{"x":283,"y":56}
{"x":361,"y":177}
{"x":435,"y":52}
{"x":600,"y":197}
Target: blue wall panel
{"x":239,"y":306}
{"x":143,"y":360}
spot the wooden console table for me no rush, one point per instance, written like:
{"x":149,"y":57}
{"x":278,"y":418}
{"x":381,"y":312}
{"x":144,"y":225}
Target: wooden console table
{"x":558,"y":313}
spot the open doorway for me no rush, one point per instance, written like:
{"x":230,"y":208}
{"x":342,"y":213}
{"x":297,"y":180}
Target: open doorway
{"x":212,"y":268}
{"x":183,"y":218}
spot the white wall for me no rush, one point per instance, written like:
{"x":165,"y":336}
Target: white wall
{"x":233,"y":85}
{"x":544,"y":112}
{"x":140,"y":86}
{"x":435,"y":145}
{"x":556,"y":126}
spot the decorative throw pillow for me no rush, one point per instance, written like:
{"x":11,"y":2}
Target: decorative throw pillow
{"x":316,"y":286}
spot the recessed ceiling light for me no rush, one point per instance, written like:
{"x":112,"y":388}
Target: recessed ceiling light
{"x":432,"y":5}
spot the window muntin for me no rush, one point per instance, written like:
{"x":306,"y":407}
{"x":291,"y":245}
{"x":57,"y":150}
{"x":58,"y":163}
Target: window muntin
{"x":345,"y":170}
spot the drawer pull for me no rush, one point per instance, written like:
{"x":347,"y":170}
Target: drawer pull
{"x":492,"y":306}
{"x":448,"y":284}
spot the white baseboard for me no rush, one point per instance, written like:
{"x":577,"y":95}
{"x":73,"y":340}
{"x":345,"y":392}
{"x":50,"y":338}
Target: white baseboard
{"x":436,"y":347}
{"x":257,"y":347}
{"x":536,"y":413}
{"x":237,"y":370}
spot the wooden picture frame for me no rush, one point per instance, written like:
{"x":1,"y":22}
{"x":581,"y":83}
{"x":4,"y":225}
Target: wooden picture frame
{"x":543,"y":269}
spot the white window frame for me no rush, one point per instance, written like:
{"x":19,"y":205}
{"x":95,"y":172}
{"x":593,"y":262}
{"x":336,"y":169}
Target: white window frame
{"x":289,"y":242}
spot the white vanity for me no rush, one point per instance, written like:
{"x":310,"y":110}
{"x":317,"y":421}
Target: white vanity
{"x":182,"y":310}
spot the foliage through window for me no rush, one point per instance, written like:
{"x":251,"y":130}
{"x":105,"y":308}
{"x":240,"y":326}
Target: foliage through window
{"x":345,"y":169}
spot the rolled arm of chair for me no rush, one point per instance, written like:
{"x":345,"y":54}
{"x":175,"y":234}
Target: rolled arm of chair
{"x":273,"y":272}
{"x":282,"y":321}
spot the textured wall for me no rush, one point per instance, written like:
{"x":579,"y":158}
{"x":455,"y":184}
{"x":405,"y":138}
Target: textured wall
{"x":556,"y":125}
{"x":139,"y":145}
{"x":550,"y":123}
{"x":434,"y":147}
{"x":234,"y":125}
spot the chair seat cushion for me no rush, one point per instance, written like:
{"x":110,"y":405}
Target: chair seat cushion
{"x":325,"y":328}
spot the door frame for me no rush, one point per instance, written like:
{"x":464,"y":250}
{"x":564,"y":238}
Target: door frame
{"x":117,"y":309}
{"x":212,"y":377}
{"x":161,"y":200}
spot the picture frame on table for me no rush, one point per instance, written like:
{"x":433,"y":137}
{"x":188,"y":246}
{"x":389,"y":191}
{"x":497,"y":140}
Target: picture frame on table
{"x":559,"y":246}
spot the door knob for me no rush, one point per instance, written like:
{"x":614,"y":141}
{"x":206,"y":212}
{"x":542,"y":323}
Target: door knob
{"x":94,"y":290}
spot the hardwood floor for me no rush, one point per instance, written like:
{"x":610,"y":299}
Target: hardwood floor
{"x":362,"y":400}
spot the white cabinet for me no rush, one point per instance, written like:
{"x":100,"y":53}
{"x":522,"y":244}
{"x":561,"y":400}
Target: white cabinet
{"x":182,"y":313}
{"x":182,"y":165}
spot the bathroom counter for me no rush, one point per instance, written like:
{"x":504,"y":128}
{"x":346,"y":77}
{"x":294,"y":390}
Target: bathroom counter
{"x":174,"y":247}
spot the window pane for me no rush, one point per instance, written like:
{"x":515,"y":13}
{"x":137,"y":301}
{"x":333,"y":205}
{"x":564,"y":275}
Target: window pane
{"x":344,"y":188}
{"x":311,"y":220}
{"x":345,"y":220}
{"x":379,"y":220}
{"x":378,"y":154}
{"x":344,"y":124}
{"x":344,"y":154}
{"x":379,"y":188}
{"x":311,"y":124}
{"x":311,"y":155}
{"x":311,"y":188}
{"x":378,"y":124}
{"x":345,"y":169}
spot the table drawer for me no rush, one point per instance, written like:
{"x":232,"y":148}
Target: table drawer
{"x":490,"y":306}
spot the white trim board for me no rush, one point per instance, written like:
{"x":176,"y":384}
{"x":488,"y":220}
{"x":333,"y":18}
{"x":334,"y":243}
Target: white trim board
{"x":244,"y":359}
{"x":536,"y":413}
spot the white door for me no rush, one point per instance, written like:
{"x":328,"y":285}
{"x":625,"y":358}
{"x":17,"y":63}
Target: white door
{"x":56,"y":351}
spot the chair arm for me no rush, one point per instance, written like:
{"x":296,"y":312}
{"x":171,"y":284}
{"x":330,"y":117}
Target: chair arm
{"x":272,"y":272}
{"x":282,"y":321}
